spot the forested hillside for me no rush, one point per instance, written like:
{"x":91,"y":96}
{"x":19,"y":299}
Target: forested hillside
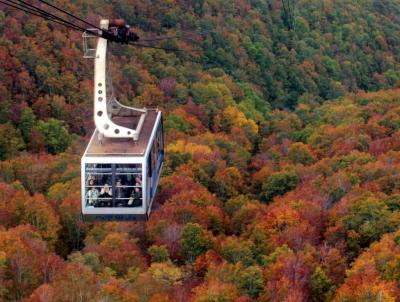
{"x":282,"y":136}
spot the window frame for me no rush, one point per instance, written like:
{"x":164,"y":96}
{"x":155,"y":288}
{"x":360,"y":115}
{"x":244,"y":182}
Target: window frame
{"x":115,"y":174}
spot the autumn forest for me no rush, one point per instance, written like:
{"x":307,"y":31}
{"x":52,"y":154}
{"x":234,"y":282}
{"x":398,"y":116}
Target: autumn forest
{"x":282,"y":154}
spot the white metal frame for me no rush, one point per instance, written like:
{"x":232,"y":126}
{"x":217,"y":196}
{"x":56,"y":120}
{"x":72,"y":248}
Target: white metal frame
{"x":89,"y":52}
{"x":103,"y":122}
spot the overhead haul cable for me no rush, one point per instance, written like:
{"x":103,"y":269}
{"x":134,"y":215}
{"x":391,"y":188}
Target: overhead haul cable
{"x":69,"y":14}
{"x":30,"y":9}
{"x":106,"y":34}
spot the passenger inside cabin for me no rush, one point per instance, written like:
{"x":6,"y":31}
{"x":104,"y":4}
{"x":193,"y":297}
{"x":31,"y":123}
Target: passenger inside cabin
{"x":105,"y":197}
{"x":92,"y":196}
{"x":138,"y":181}
{"x":91,"y":181}
{"x":120,"y":194}
{"x":136,"y":197}
{"x":106,"y":190}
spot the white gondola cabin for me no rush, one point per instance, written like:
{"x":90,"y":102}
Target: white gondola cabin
{"x":121,"y":166}
{"x":120,"y":176}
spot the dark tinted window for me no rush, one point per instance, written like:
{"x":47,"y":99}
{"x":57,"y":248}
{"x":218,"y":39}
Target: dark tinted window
{"x":113,"y":185}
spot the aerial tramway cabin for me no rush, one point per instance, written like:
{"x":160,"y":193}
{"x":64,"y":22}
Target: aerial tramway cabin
{"x":127,"y":170}
{"x":121,"y":166}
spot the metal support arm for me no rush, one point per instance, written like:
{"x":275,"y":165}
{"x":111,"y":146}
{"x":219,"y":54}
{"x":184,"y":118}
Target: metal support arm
{"x":102,"y":116}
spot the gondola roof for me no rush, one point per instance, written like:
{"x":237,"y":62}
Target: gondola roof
{"x":124,"y":147}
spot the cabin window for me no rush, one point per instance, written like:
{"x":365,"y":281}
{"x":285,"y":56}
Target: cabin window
{"x":155,"y":160}
{"x":97,"y":176}
{"x":113,"y":185}
{"x":157,"y":151}
{"x":160,"y":140}
{"x":128,"y":185}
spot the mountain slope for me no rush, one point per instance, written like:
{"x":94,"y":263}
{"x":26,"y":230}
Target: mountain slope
{"x":281,"y":174}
